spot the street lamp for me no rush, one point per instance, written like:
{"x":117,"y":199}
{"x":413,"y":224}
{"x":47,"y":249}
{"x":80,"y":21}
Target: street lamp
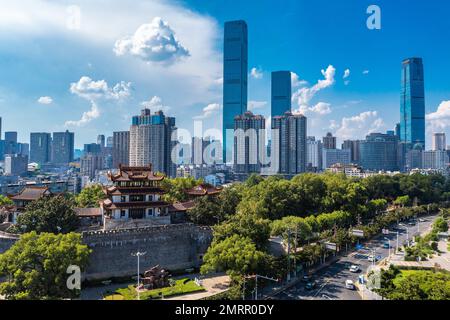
{"x":138,"y":255}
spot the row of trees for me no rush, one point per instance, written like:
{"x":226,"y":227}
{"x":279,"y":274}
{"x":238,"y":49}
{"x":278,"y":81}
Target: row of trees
{"x":319,"y":207}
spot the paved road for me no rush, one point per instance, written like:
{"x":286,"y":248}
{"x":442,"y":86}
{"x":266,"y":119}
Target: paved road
{"x":331,"y":280}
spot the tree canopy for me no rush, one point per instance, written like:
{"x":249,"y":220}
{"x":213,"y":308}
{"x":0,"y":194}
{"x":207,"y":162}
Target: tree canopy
{"x":90,"y":197}
{"x":53,"y":214}
{"x":36,"y":266}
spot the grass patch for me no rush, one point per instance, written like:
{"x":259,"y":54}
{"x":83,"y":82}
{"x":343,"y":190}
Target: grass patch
{"x":182,"y":286}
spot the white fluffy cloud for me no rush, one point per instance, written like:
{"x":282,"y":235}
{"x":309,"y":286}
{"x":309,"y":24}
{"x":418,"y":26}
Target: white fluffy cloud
{"x":87,"y":117}
{"x":440,"y":119}
{"x":346,"y":75}
{"x":320,"y":109}
{"x":358,"y":126}
{"x":303,"y":96}
{"x":296,"y":81}
{"x":155,"y":104}
{"x":254,"y":105}
{"x":45,"y":100}
{"x":209,"y":111}
{"x":92,"y":90}
{"x":152,"y":42}
{"x":256,"y":73}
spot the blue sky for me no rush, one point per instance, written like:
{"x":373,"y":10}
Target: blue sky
{"x":90,"y":75}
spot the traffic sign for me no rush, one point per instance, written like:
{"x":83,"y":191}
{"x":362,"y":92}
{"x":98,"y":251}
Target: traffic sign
{"x":385,"y":231}
{"x":358,"y":233}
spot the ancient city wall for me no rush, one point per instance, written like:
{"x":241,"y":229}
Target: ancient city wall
{"x":174,"y":247}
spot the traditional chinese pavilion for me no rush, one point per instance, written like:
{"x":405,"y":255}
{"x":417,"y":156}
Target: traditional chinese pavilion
{"x":135,"y":195}
{"x":203,"y":190}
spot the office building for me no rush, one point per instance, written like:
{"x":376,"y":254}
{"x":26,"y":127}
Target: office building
{"x":151,"y":142}
{"x":249,"y":143}
{"x":289,"y":135}
{"x":121,"y":148}
{"x":329,"y":142}
{"x":281,"y":93}
{"x":16,"y":165}
{"x":40,"y":147}
{"x":101,"y":140}
{"x":10,"y":146}
{"x":109,"y":142}
{"x":63,"y":147}
{"x":353,"y":146}
{"x":314,"y":154}
{"x":412,"y":105}
{"x":335,"y":156}
{"x":235,"y":76}
{"x":437,"y":160}
{"x":438,"y":142}
{"x":379,"y":152}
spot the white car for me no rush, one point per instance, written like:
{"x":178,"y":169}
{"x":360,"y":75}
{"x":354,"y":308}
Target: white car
{"x":349,"y":284}
{"x":354,"y":269}
{"x":372,"y":258}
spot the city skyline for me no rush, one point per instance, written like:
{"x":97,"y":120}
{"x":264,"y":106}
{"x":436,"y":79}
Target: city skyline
{"x":355,"y":97}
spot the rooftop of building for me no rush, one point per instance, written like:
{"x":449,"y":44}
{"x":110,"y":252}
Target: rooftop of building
{"x":32,"y":193}
{"x":203,"y":190}
{"x":128,"y":173}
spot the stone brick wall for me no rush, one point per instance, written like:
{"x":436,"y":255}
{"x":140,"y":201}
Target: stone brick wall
{"x":173,"y":247}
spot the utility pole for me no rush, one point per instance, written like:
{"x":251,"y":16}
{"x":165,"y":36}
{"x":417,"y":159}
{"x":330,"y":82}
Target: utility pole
{"x":138,"y":255}
{"x":256,"y":283}
{"x":289,"y":256}
{"x":295,"y":252}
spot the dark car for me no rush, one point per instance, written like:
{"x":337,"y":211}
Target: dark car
{"x":306,"y":278}
{"x":310,"y":285}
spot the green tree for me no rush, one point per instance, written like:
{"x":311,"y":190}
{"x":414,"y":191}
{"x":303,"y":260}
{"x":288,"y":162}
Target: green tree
{"x":235,"y":255}
{"x":53,"y":214}
{"x":5,"y":201}
{"x":402,"y":201}
{"x":440,"y":225}
{"x":207,"y":211}
{"x":246,"y":225}
{"x":36,"y":266}
{"x":176,"y":188}
{"x":90,"y":197}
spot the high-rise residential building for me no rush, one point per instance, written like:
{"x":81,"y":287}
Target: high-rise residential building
{"x":90,"y":163}
{"x":335,"y":156}
{"x":379,"y":152}
{"x":23,"y":149}
{"x":92,"y":148}
{"x":235,"y":77}
{"x":397,"y":130}
{"x":412,"y":104}
{"x":437,"y":160}
{"x":151,"y":142}
{"x":329,"y":142}
{"x":16,"y":165}
{"x":121,"y":148}
{"x":289,"y":135}
{"x":314,"y":154}
{"x":63,"y":145}
{"x":40,"y":147}
{"x":281,"y":93}
{"x":109,"y":142}
{"x":11,"y":146}
{"x":249,"y":143}
{"x":101,"y":140}
{"x":353,"y":146}
{"x":439,"y":142}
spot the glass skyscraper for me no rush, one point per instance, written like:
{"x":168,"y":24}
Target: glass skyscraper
{"x":379,"y":152}
{"x":281,"y":93}
{"x":412,"y":105}
{"x":235,"y":69}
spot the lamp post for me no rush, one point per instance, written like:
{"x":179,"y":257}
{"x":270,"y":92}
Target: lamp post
{"x":138,"y":255}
